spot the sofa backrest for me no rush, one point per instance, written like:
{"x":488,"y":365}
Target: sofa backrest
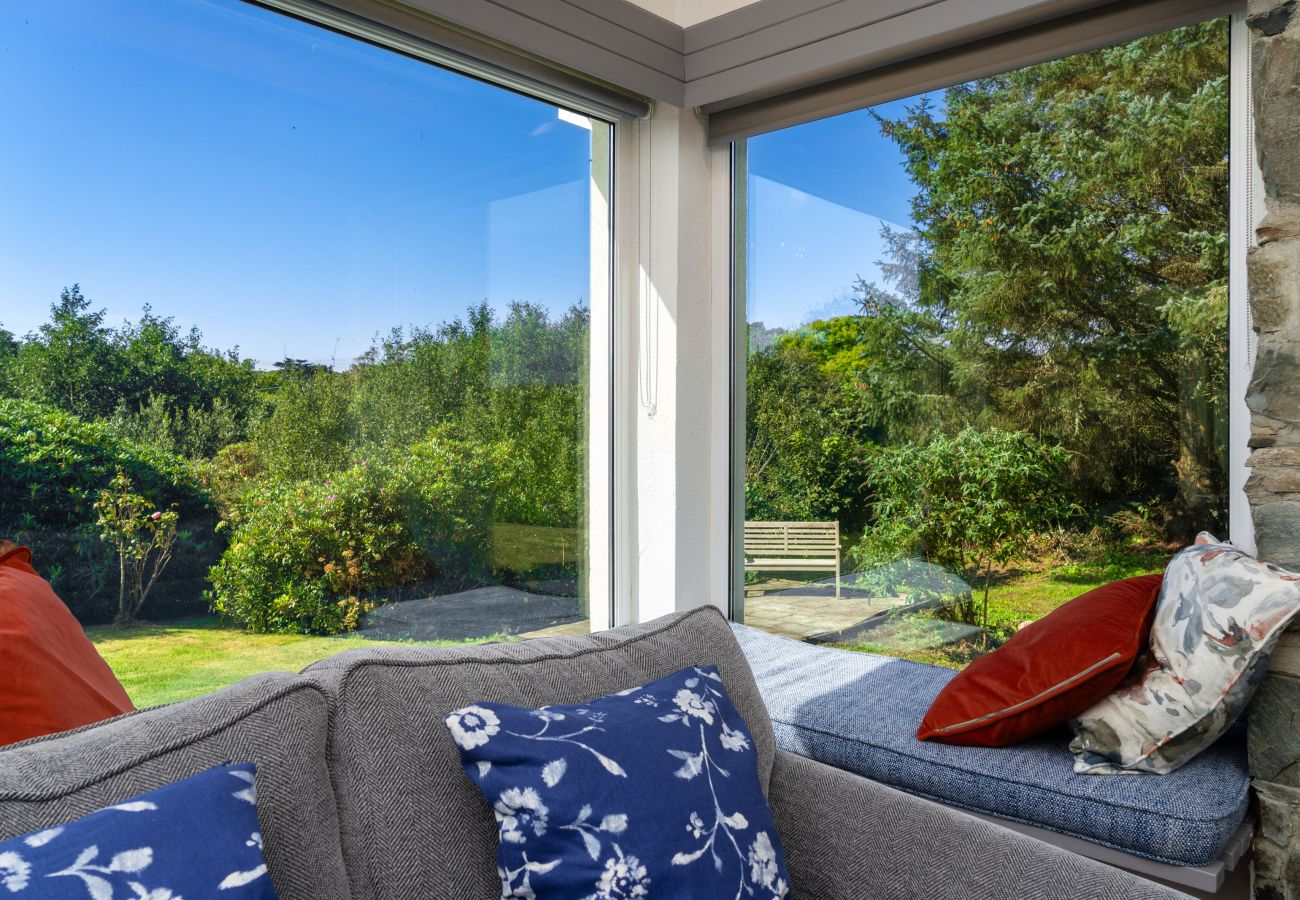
{"x":277,"y":721}
{"x":413,"y":824}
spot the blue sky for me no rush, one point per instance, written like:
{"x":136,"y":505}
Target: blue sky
{"x":293,"y":192}
{"x":818,"y":196}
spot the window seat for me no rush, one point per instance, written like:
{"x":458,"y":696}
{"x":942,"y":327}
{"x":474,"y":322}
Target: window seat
{"x":859,"y":712}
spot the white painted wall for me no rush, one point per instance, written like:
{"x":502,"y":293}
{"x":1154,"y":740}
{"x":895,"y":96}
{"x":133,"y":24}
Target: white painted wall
{"x":676,"y":474}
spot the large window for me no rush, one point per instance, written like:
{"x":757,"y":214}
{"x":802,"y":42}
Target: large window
{"x":296,"y":340}
{"x":984,"y":342}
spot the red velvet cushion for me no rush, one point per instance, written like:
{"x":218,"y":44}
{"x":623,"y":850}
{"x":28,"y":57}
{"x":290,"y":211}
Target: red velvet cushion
{"x":53,"y":678}
{"x":1050,"y":671}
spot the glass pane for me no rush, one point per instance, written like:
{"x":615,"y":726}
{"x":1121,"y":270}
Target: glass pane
{"x":986,"y":345}
{"x":298,"y":330}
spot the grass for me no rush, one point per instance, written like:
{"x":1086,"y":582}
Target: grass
{"x":1015,"y":598}
{"x":164,"y":662}
{"x":524,"y":547}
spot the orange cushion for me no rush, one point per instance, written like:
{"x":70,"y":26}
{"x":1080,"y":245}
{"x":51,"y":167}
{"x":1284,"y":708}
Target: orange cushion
{"x":53,"y":678}
{"x":1050,"y":671}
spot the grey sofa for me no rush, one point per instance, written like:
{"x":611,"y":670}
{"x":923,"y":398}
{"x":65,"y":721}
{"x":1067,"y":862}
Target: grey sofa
{"x":361,"y":794}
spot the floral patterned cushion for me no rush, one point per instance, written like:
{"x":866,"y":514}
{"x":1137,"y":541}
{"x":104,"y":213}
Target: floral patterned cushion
{"x":650,"y":792}
{"x":1219,"y":615}
{"x":196,"y":838}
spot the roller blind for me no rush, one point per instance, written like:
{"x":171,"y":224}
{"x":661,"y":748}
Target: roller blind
{"x":1110,"y":24}
{"x":423,"y":36}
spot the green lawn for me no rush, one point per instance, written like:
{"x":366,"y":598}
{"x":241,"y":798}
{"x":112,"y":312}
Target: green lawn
{"x":165,"y":662}
{"x":524,"y":547}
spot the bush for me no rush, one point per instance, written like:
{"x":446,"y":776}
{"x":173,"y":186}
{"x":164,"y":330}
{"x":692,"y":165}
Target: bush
{"x":311,"y":430}
{"x":53,"y":466}
{"x":967,"y":502}
{"x":309,"y":556}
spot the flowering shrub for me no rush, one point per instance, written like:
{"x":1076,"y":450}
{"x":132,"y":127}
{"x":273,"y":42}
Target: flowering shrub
{"x":143,"y":538}
{"x":307,"y":556}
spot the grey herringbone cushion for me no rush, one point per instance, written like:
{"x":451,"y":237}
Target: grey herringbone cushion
{"x":277,"y":721}
{"x":414,"y":826}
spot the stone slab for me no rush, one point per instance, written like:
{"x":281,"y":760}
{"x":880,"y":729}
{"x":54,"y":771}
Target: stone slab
{"x":1277,"y":843}
{"x":1274,"y":730}
{"x":478,"y":613}
{"x":1277,"y":530}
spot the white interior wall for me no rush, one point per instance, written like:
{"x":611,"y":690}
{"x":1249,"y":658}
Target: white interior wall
{"x":677,"y":472}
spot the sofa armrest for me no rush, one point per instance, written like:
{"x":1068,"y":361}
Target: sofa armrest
{"x":846,"y":837}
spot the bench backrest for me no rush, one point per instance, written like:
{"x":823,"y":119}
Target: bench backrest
{"x":796,"y":540}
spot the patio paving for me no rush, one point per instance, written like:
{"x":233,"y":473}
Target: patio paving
{"x":477,"y":613}
{"x":810,"y":612}
{"x":805,"y":611}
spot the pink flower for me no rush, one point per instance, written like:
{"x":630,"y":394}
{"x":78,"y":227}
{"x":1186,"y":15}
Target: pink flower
{"x":156,"y":516}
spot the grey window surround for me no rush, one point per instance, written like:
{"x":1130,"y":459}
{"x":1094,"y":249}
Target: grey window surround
{"x":769,"y":65}
{"x":1110,"y":24}
{"x":420,"y":34}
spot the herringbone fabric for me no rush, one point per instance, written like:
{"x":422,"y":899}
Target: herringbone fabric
{"x":276,"y":720}
{"x":847,"y":838}
{"x":414,"y":827}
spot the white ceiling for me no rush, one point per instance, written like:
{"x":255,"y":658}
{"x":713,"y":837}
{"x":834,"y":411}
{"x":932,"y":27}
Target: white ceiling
{"x":690,"y":12}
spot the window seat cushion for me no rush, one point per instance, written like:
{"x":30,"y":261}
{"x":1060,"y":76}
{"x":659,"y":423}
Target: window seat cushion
{"x":860,"y":712}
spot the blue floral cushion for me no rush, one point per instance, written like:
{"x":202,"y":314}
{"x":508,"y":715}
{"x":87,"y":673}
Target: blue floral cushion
{"x":651,"y":792}
{"x":195,"y":839}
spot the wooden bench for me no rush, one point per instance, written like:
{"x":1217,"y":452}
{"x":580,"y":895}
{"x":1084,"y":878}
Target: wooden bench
{"x":793,"y":547}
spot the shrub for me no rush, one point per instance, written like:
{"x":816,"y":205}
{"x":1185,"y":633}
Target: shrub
{"x":967,"y":502}
{"x":53,"y":466}
{"x":311,"y":430}
{"x":144,"y":539}
{"x":230,"y":474}
{"x":309,"y":556}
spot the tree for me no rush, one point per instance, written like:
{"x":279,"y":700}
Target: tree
{"x":143,"y":538}
{"x":71,"y":362}
{"x":8,"y":353}
{"x":302,"y":368}
{"x":1072,"y":234}
{"x":808,"y":431}
{"x":968,"y":502}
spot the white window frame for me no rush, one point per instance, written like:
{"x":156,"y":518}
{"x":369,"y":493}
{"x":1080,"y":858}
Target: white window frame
{"x":1246,"y":211}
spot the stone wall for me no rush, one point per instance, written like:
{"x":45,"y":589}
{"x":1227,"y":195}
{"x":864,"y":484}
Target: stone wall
{"x":1274,"y":401}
